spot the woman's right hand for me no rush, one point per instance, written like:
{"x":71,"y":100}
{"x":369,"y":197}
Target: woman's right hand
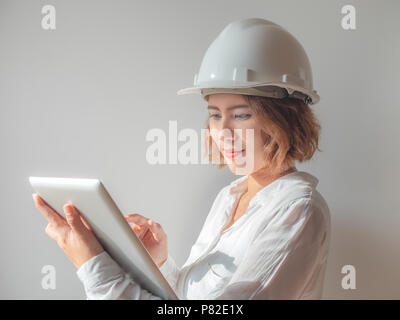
{"x":152,"y":236}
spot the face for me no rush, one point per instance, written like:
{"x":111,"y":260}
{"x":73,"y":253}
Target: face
{"x":236,"y":132}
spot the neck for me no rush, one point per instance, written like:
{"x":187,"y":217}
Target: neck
{"x":262,"y":178}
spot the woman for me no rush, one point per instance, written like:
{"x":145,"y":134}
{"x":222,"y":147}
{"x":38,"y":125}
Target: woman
{"x":267,"y":233}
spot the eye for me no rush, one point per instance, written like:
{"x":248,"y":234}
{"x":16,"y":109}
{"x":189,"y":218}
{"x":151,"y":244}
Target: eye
{"x":214,"y":116}
{"x":243,"y":116}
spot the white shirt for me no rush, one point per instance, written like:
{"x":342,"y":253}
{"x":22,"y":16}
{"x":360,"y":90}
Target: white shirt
{"x":277,"y":250}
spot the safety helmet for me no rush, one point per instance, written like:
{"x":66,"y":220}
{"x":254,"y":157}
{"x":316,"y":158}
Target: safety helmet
{"x":255,"y":57}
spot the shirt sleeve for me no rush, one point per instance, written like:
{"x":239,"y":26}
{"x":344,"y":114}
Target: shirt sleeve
{"x":282,"y":258}
{"x":103,"y":279}
{"x":170,"y":271}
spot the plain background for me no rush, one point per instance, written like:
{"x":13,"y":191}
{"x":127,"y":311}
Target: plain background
{"x":78,"y":101}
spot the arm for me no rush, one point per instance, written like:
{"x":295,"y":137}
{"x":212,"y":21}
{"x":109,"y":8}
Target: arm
{"x":103,"y":279}
{"x":282,"y":258}
{"x":101,"y":275}
{"x":170,"y":271}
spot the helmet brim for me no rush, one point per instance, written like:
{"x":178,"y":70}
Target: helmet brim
{"x":242,"y":90}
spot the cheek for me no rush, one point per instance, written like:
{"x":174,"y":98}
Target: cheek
{"x":262,"y":138}
{"x":214,"y":134}
{"x":257,"y":141}
{"x":226,"y":135}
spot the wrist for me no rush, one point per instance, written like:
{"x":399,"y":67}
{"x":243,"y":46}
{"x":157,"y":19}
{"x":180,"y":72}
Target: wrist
{"x":88,"y":257}
{"x":162,"y":262}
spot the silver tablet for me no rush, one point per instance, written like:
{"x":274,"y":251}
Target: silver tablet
{"x":108,"y":224}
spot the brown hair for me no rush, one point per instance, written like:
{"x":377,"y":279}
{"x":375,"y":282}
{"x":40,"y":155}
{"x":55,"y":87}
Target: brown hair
{"x":290,"y":126}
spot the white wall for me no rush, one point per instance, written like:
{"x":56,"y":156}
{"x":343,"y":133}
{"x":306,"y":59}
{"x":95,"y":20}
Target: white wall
{"x":78,"y":101}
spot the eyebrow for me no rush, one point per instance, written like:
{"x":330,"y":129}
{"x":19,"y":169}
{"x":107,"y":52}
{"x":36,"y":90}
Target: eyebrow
{"x":229,"y":108}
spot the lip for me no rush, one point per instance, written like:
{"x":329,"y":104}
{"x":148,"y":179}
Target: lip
{"x":232,"y":153}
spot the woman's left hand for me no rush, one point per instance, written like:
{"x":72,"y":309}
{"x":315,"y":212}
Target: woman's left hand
{"x":72,"y":234}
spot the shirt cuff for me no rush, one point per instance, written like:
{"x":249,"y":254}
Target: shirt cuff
{"x":99,"y":269}
{"x":168,"y":267}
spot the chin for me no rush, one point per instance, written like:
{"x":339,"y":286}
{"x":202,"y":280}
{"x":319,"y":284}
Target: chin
{"x":240,"y":170}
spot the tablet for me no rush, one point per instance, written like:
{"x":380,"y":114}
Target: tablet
{"x":109,"y":225}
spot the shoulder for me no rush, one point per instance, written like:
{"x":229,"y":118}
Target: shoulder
{"x":320,"y":208}
{"x":298,"y":188}
{"x":309,"y":218}
{"x":311,"y":206}
{"x":315,"y":225}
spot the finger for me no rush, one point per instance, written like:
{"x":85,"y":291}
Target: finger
{"x":139,"y":230}
{"x":74,"y":218}
{"x":136,"y":218}
{"x":148,"y":236}
{"x":135,"y":224}
{"x":155,"y":229}
{"x":141,"y":223}
{"x":143,"y":230}
{"x":135,"y":227}
{"x":51,"y":232}
{"x":48,"y":212}
{"x":85,"y":222}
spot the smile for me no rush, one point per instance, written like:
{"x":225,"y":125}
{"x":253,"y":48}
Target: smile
{"x":232,"y":154}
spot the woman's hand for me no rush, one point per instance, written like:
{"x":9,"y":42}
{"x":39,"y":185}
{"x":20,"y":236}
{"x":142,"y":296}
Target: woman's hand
{"x":152,"y":236}
{"x":72,"y":234}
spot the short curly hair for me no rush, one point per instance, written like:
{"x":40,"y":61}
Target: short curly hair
{"x":291,"y":128}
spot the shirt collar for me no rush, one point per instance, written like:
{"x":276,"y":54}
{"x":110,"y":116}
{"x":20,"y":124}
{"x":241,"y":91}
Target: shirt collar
{"x":296,"y":178}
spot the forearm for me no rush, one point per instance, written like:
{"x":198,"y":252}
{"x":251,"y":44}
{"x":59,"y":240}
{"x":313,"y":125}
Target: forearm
{"x":104,"y":279}
{"x":170,"y":271}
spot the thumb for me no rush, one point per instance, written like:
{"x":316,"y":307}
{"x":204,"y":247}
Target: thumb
{"x":73,"y":218}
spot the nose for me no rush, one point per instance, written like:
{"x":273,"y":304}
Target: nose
{"x":226,"y":134}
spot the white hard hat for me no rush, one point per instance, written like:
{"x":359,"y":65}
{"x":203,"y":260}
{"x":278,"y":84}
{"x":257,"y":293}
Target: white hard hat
{"x":255,"y":57}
